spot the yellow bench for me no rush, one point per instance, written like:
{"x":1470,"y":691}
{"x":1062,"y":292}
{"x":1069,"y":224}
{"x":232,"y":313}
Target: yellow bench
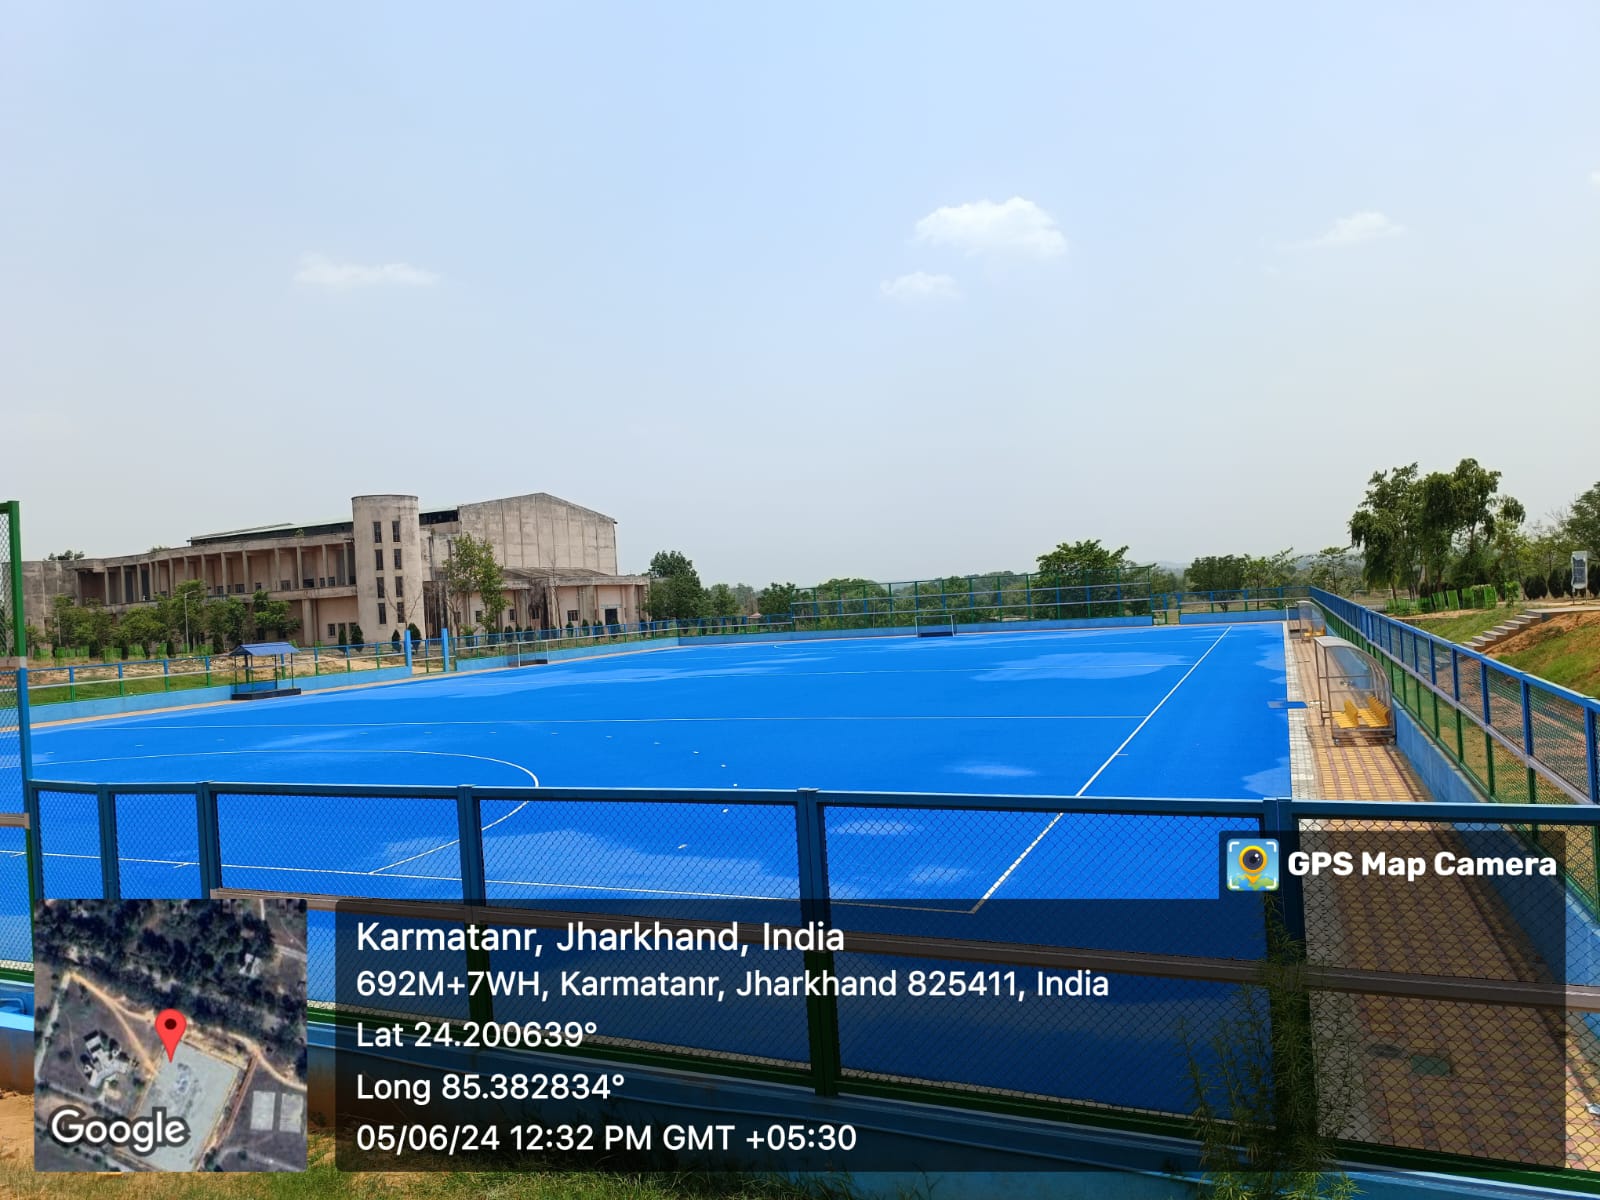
{"x":1375,"y":714}
{"x":1370,"y":718}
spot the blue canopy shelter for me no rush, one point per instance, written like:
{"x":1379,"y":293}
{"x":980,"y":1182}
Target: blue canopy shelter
{"x":263,"y":670}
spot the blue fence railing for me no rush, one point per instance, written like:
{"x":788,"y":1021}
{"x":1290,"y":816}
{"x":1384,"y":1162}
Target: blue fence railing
{"x":1234,"y":599}
{"x":1522,"y":738}
{"x":1183,"y":971}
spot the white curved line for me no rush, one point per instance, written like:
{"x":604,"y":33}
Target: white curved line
{"x":72,"y":762}
{"x":375,"y":870}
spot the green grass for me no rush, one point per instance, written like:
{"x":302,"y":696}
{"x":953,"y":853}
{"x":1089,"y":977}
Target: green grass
{"x":1466,"y":626}
{"x":1569,"y":657}
{"x":134,"y":685}
{"x":323,"y":1181}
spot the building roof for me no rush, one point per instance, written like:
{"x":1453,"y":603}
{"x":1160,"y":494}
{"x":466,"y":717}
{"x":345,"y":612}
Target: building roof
{"x":265,"y":649}
{"x":435,"y":516}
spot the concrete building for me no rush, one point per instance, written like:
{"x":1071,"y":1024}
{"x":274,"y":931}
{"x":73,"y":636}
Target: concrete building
{"x":380,"y":570}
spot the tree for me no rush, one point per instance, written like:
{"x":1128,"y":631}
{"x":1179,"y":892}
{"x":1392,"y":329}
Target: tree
{"x":1164,"y":580}
{"x":721,"y":601}
{"x":1437,"y":515}
{"x":1073,"y":570}
{"x":667,"y":563}
{"x":65,"y":624}
{"x":472,"y":570}
{"x":96,"y":626}
{"x":675,"y":590}
{"x":272,"y":617}
{"x":1417,"y":531}
{"x":1385,"y":529}
{"x":745,"y":596}
{"x":1074,"y":560}
{"x":181,"y":611}
{"x":776,"y":599}
{"x":1271,"y":571}
{"x":1582,"y":524}
{"x":144,"y":627}
{"x":224,"y":622}
{"x":65,"y":556}
{"x":1332,"y":570}
{"x":1216,"y":573}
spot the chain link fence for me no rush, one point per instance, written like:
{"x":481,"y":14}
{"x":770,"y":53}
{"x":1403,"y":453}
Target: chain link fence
{"x":1079,"y":954}
{"x":1521,"y":738}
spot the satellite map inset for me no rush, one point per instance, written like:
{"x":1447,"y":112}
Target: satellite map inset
{"x":170,"y":1035}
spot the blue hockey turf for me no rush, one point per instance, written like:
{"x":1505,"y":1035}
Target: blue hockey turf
{"x":1185,"y":711}
{"x":1160,"y":712}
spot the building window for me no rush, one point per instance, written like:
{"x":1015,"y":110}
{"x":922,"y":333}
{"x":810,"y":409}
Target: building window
{"x":397,"y":558}
{"x":377,"y":531}
{"x":394,"y":531}
{"x":477,"y":616}
{"x":284,"y":585}
{"x":383,"y":613}
{"x":399,"y":612}
{"x":377,"y":560}
{"x":380,"y":587}
{"x":330,"y":631}
{"x":399,"y":585}
{"x":572,"y":616}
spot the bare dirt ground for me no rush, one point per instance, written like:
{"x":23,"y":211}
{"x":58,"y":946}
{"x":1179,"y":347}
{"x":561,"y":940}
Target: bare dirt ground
{"x":16,"y":1128}
{"x":1544,"y":630}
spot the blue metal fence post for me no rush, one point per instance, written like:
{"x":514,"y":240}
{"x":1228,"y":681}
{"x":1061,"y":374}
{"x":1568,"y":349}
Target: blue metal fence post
{"x":1591,"y":742}
{"x":469,"y":829}
{"x":110,"y":864}
{"x":444,"y":649}
{"x":822,"y":1012}
{"x":33,"y":839}
{"x":1527,"y":740}
{"x":209,"y":833}
{"x":474,"y":891}
{"x":1283,"y":826}
{"x":405,"y":644}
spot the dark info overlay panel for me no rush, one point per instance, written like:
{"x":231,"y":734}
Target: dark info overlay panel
{"x":501,"y":1038}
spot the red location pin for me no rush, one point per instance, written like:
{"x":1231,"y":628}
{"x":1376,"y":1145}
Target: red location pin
{"x":170,"y":1024}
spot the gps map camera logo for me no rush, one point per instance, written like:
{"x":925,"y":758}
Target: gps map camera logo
{"x":1252,"y":865}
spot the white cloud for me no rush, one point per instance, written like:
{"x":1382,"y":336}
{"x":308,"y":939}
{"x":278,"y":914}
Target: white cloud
{"x":1016,"y":227}
{"x":919,"y":285}
{"x":1594,"y":180}
{"x":320,"y":271}
{"x":1357,"y":228}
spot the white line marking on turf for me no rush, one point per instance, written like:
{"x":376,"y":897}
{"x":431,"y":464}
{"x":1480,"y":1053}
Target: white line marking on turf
{"x":613,"y":721}
{"x":994,"y":887}
{"x":73,"y":762}
{"x":1150,"y":714}
{"x":375,"y":870}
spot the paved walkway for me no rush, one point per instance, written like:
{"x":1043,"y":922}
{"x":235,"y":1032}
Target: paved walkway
{"x":1457,"y":1078}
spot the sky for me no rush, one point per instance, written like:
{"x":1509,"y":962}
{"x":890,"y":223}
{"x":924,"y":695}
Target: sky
{"x":887,"y":290}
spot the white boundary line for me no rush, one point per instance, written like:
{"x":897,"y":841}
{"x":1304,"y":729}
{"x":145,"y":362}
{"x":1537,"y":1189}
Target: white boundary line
{"x":72,"y":762}
{"x":1101,"y":770}
{"x":375,"y":870}
{"x":612,"y":721}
